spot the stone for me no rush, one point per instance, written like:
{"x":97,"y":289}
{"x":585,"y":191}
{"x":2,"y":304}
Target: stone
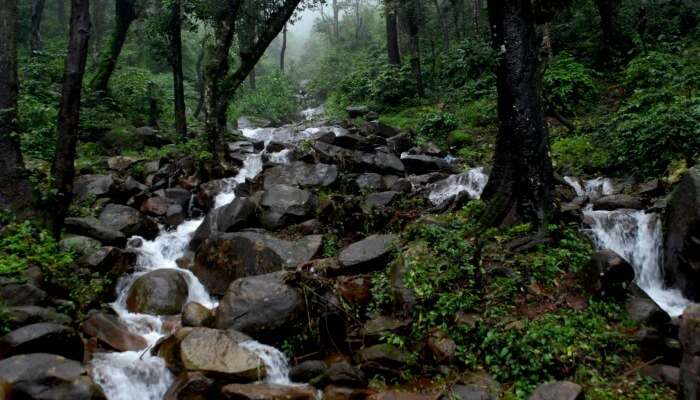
{"x":343,"y":374}
{"x":307,"y":371}
{"x":27,"y":315}
{"x":355,"y":289}
{"x":561,"y":390}
{"x":382,"y":325}
{"x":22,"y":294}
{"x":667,"y":374}
{"x":651,"y":188}
{"x":343,"y":393}
{"x":259,"y":306}
{"x":301,"y":174}
{"x":42,"y":376}
{"x":42,"y":337}
{"x":226,"y":257}
{"x":196,"y":315}
{"x":234,"y":216}
{"x":617,"y":201}
{"x":110,"y":261}
{"x":379,"y":129}
{"x":369,"y":254}
{"x":682,"y":239}
{"x":178,"y":196}
{"x":110,"y":331}
{"x":248,"y":122}
{"x":689,"y":334}
{"x":466,"y":392}
{"x":92,"y":227}
{"x":87,"y":187}
{"x":643,"y":309}
{"x":379,"y":162}
{"x":357,"y":111}
{"x":120,"y":163}
{"x":156,"y":206}
{"x":607,"y":274}
{"x":267,"y":391}
{"x":381,"y":199}
{"x":79,"y":245}
{"x":175,"y":215}
{"x":149,"y":136}
{"x":382,"y":355}
{"x":442,"y":347}
{"x":128,"y":221}
{"x":399,"y":395}
{"x":284,"y":205}
{"x":399,"y":144}
{"x":402,"y":186}
{"x":159,"y":292}
{"x":369,"y":182}
{"x":191,"y":386}
{"x":420,"y":164}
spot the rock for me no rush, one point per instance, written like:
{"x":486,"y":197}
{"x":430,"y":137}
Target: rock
{"x":267,"y":391}
{"x":284,"y":205}
{"x":109,"y":261}
{"x":617,"y":201}
{"x":343,"y":374}
{"x":79,"y":245}
{"x":379,"y":162}
{"x":196,"y":315}
{"x":178,"y":196}
{"x":128,"y":221}
{"x":401,"y":186}
{"x":120,"y":163}
{"x":348,"y":141}
{"x":379,"y":129}
{"x":226,"y":257}
{"x":643,"y":309}
{"x":110,"y":331}
{"x":301,"y":174}
{"x":689,"y":334}
{"x":369,"y":182}
{"x":22,"y":294}
{"x":561,"y":390}
{"x":26,"y":315}
{"x":133,"y":187}
{"x":682,"y":239}
{"x":357,"y":111}
{"x":248,"y":122}
{"x":607,"y":274}
{"x":466,"y":392}
{"x":652,"y":188}
{"x":191,"y":386}
{"x":369,"y":254}
{"x":419,"y":164}
{"x":206,"y":196}
{"x":156,"y":206}
{"x":442,"y":347}
{"x":234,"y":216}
{"x":259,"y":305}
{"x":355,"y":289}
{"x":175,"y":215}
{"x":92,"y":227}
{"x":382,"y":356}
{"x":381,"y":199}
{"x":43,"y":376}
{"x":667,"y":374}
{"x":399,"y":395}
{"x":219,"y":353}
{"x":399,"y":143}
{"x":382,"y":325}
{"x":87,"y":187}
{"x":159,"y":292}
{"x":151,"y":137}
{"x":307,"y":371}
{"x":342,"y":393}
{"x":41,"y":338}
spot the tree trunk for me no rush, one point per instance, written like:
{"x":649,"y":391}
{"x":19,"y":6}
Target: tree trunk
{"x":61,"y":12}
{"x":63,"y":168}
{"x":476,"y":15}
{"x":443,"y":24}
{"x":176,"y":62}
{"x":200,"y":80}
{"x":125,"y":15}
{"x":37,"y":12}
{"x":15,"y":190}
{"x":412,"y":13}
{"x":98,"y":25}
{"x":615,"y":43}
{"x":253,"y":79}
{"x":520,"y":184}
{"x":283,"y":50}
{"x":458,"y":17}
{"x":336,"y":20}
{"x":392,"y":33}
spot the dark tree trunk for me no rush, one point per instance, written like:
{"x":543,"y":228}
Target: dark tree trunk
{"x":98,"y":25}
{"x":63,"y":168}
{"x":200,"y":80}
{"x":615,"y":42}
{"x":412,"y":13}
{"x":476,"y":15}
{"x":520,"y":184}
{"x":283,"y":50}
{"x":253,"y":79}
{"x":125,"y":15}
{"x":443,"y":24}
{"x":458,"y":17}
{"x":392,"y":33}
{"x":176,"y":62}
{"x":37,"y":12}
{"x":15,"y":191}
{"x":336,"y":20}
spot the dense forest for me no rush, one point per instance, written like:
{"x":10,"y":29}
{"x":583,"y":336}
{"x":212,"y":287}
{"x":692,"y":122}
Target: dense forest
{"x":350,"y":199}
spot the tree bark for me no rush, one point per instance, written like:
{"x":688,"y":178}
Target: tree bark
{"x":392,"y":33}
{"x":37,"y":13}
{"x":176,"y":63}
{"x":476,"y":15}
{"x":412,"y":13}
{"x":200,"y":80}
{"x":63,"y":168}
{"x":520,"y":184}
{"x":15,"y":190}
{"x":98,"y":25}
{"x":615,"y":42}
{"x":283,"y":50}
{"x":443,"y":24}
{"x":124,"y":16}
{"x":336,"y":20}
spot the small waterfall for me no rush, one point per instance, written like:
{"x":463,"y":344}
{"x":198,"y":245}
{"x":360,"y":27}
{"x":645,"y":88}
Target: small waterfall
{"x":472,"y":182}
{"x":275,"y":361}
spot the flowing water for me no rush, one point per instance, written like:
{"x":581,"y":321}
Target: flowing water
{"x":138,"y":375}
{"x":472,"y":182}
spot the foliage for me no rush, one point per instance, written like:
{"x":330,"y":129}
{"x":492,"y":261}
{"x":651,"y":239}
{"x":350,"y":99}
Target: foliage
{"x":569,"y":253}
{"x":437,"y":125}
{"x":574,"y":155}
{"x":569,"y":84}
{"x":273,"y":99}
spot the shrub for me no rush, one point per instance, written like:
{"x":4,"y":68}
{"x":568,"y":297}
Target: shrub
{"x":569,"y":84}
{"x":577,"y":154}
{"x":466,"y":63}
{"x":436,"y":125}
{"x":392,"y":85}
{"x":273,"y":99}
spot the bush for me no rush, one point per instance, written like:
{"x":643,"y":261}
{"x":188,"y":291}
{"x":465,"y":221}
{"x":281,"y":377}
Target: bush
{"x":392,"y":85}
{"x":467,"y":68}
{"x":274,"y":98}
{"x":436,"y":125}
{"x":657,"y":70}
{"x":578,"y":154}
{"x":569,"y":84}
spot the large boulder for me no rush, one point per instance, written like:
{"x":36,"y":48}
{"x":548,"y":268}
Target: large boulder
{"x":301,"y":174}
{"x":27,"y":315}
{"x":94,"y":228}
{"x":111,"y":332}
{"x":284,"y":205}
{"x":128,"y":221}
{"x":467,"y":392}
{"x":87,"y":187}
{"x":223,"y":258}
{"x":689,"y":334}
{"x":48,"y":377}
{"x":617,"y":201}
{"x":682,"y":243}
{"x":110,"y":261}
{"x":369,"y":254}
{"x":259,"y":305}
{"x":196,"y":315}
{"x":22,"y":294}
{"x":41,"y":338}
{"x":79,"y":245}
{"x":421,"y":164}
{"x":267,"y":391}
{"x":159,"y":292}
{"x":191,"y":386}
{"x":379,"y":162}
{"x":561,"y":390}
{"x":234,"y":216}
{"x":607,"y":274}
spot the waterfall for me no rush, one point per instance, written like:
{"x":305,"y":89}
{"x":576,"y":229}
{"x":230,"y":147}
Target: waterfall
{"x":138,"y":375}
{"x":472,"y":182}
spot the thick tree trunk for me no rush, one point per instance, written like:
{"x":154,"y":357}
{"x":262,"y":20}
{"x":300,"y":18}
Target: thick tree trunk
{"x":520,"y":184}
{"x":15,"y":191}
{"x":98,"y":25}
{"x":476,"y":16}
{"x":392,"y":33}
{"x":443,"y":24}
{"x":412,"y":13}
{"x":63,"y":168}
{"x":458,"y":17}
{"x":176,"y":62}
{"x":615,"y":43}
{"x":125,"y":15}
{"x":253,"y":79}
{"x":200,"y":80}
{"x":283,"y":50}
{"x":37,"y":12}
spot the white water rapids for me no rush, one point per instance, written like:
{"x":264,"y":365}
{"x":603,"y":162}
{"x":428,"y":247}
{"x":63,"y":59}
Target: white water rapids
{"x":138,"y":375}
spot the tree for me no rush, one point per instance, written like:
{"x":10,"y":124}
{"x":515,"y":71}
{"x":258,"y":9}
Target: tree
{"x":63,"y":168}
{"x":125,"y":15}
{"x":392,"y":33}
{"x":283,"y":50}
{"x":521,"y":181}
{"x":37,"y":12}
{"x":175,"y":35}
{"x":615,"y":42}
{"x":412,"y":13}
{"x":15,"y":191}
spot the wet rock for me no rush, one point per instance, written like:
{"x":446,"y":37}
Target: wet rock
{"x":159,"y":292}
{"x":259,"y":306}
{"x":92,"y":227}
{"x":466,"y":392}
{"x":643,"y":309}
{"x":689,"y":334}
{"x":607,"y":274}
{"x":343,"y":393}
{"x":248,"y":122}
{"x":376,"y":128}
{"x":355,"y":289}
{"x":191,"y":386}
{"x":156,"y":206}
{"x":382,"y":356}
{"x":109,"y":261}
{"x":120,"y":163}
{"x":652,"y":188}
{"x":561,"y":390}
{"x":79,"y":245}
{"x":348,"y":141}
{"x":111,"y":331}
{"x":177,"y":196}
{"x":401,"y":186}
{"x":284,"y":205}
{"x":368,"y":254}
{"x":87,"y":187}
{"x":195,"y":315}
{"x":442,"y":347}
{"x":22,"y":294}
{"x":42,"y":338}
{"x":420,"y":164}
{"x":369,"y":182}
{"x":267,"y":391}
{"x":150,"y":136}
{"x":381,"y":325}
{"x":379,"y":162}
{"x":206,"y":196}
{"x":329,"y":153}
{"x":682,"y":239}
{"x":667,"y":374}
{"x":26,"y":315}
{"x":307,"y":371}
{"x":226,"y":257}
{"x":399,"y":395}
{"x":617,"y":201}
{"x":234,"y":216}
{"x":381,"y":199}
{"x":399,"y":143}
{"x":343,"y":374}
{"x":175,"y":215}
{"x":301,"y":174}
{"x":48,"y":376}
{"x":358,"y":111}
